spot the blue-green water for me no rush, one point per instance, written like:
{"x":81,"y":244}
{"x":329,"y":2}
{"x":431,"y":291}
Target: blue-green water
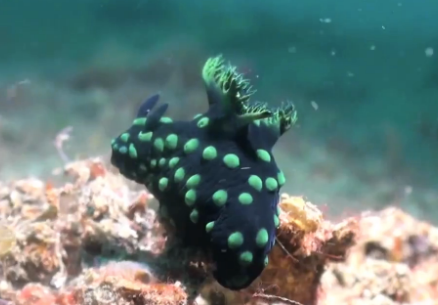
{"x":363,"y":75}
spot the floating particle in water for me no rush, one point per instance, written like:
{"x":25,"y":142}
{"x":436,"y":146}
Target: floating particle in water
{"x":325,"y":20}
{"x":372,"y":47}
{"x":314,"y":105}
{"x":428,"y":52}
{"x":408,"y":190}
{"x":292,"y":49}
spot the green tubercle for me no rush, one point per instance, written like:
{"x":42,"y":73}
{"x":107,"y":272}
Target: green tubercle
{"x":145,"y":137}
{"x":191,"y":145}
{"x":159,"y":144}
{"x":194,"y":216}
{"x":139,"y":122}
{"x":264,"y":155}
{"x":281,"y":178}
{"x":231,"y":160}
{"x":246,"y":258}
{"x":123,"y":150}
{"x":209,"y":226}
{"x":162,"y":162}
{"x":235,"y":240}
{"x":162,"y":184}
{"x":166,"y":120}
{"x":245,"y":198}
{"x":132,"y":151}
{"x":220,"y":198}
{"x":190,"y":197}
{"x":262,"y":238}
{"x":256,"y":182}
{"x":193,"y":181}
{"x":171,"y":141}
{"x":179,"y":174}
{"x":124,"y":137}
{"x":173,"y":161}
{"x":276,"y":221}
{"x":271,"y":184}
{"x":209,"y":153}
{"x":203,"y":122}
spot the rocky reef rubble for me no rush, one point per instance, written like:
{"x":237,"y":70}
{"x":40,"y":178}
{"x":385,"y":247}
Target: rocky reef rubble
{"x":91,"y":237}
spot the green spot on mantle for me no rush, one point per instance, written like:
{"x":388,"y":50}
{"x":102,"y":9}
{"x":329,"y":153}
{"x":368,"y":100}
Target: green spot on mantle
{"x":246,"y":258}
{"x":124,"y":137}
{"x":220,"y":198}
{"x":281,"y":178}
{"x":190,"y":197}
{"x":209,"y":226}
{"x":191,"y":145}
{"x":159,"y":144}
{"x":235,"y":240}
{"x":276,"y":221}
{"x":255,"y":182}
{"x":271,"y":184}
{"x":145,"y":137}
{"x":179,"y":174}
{"x":173,"y":162}
{"x":139,"y":122}
{"x":166,"y":120}
{"x":231,"y":160}
{"x":194,"y":216}
{"x":132,"y":151}
{"x":203,"y":122}
{"x":162,"y":184}
{"x":209,"y":153}
{"x":171,"y":141}
{"x":193,"y":181}
{"x":262,"y":238}
{"x":162,"y":162}
{"x":264,"y":155}
{"x":245,"y":198}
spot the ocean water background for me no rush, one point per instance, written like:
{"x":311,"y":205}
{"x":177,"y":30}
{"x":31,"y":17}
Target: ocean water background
{"x":363,"y":75}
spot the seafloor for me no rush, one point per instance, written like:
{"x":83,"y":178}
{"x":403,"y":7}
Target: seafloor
{"x":97,"y":239}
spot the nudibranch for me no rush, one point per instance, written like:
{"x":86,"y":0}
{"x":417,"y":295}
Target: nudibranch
{"x":215,"y":175}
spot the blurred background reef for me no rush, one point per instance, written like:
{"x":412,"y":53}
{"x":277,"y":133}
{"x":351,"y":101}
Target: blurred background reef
{"x":363,"y":75}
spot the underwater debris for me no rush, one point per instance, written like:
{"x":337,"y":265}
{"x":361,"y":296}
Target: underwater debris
{"x":214,"y":173}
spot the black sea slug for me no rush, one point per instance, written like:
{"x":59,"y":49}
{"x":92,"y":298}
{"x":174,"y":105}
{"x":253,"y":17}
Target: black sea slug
{"x":215,"y":175}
